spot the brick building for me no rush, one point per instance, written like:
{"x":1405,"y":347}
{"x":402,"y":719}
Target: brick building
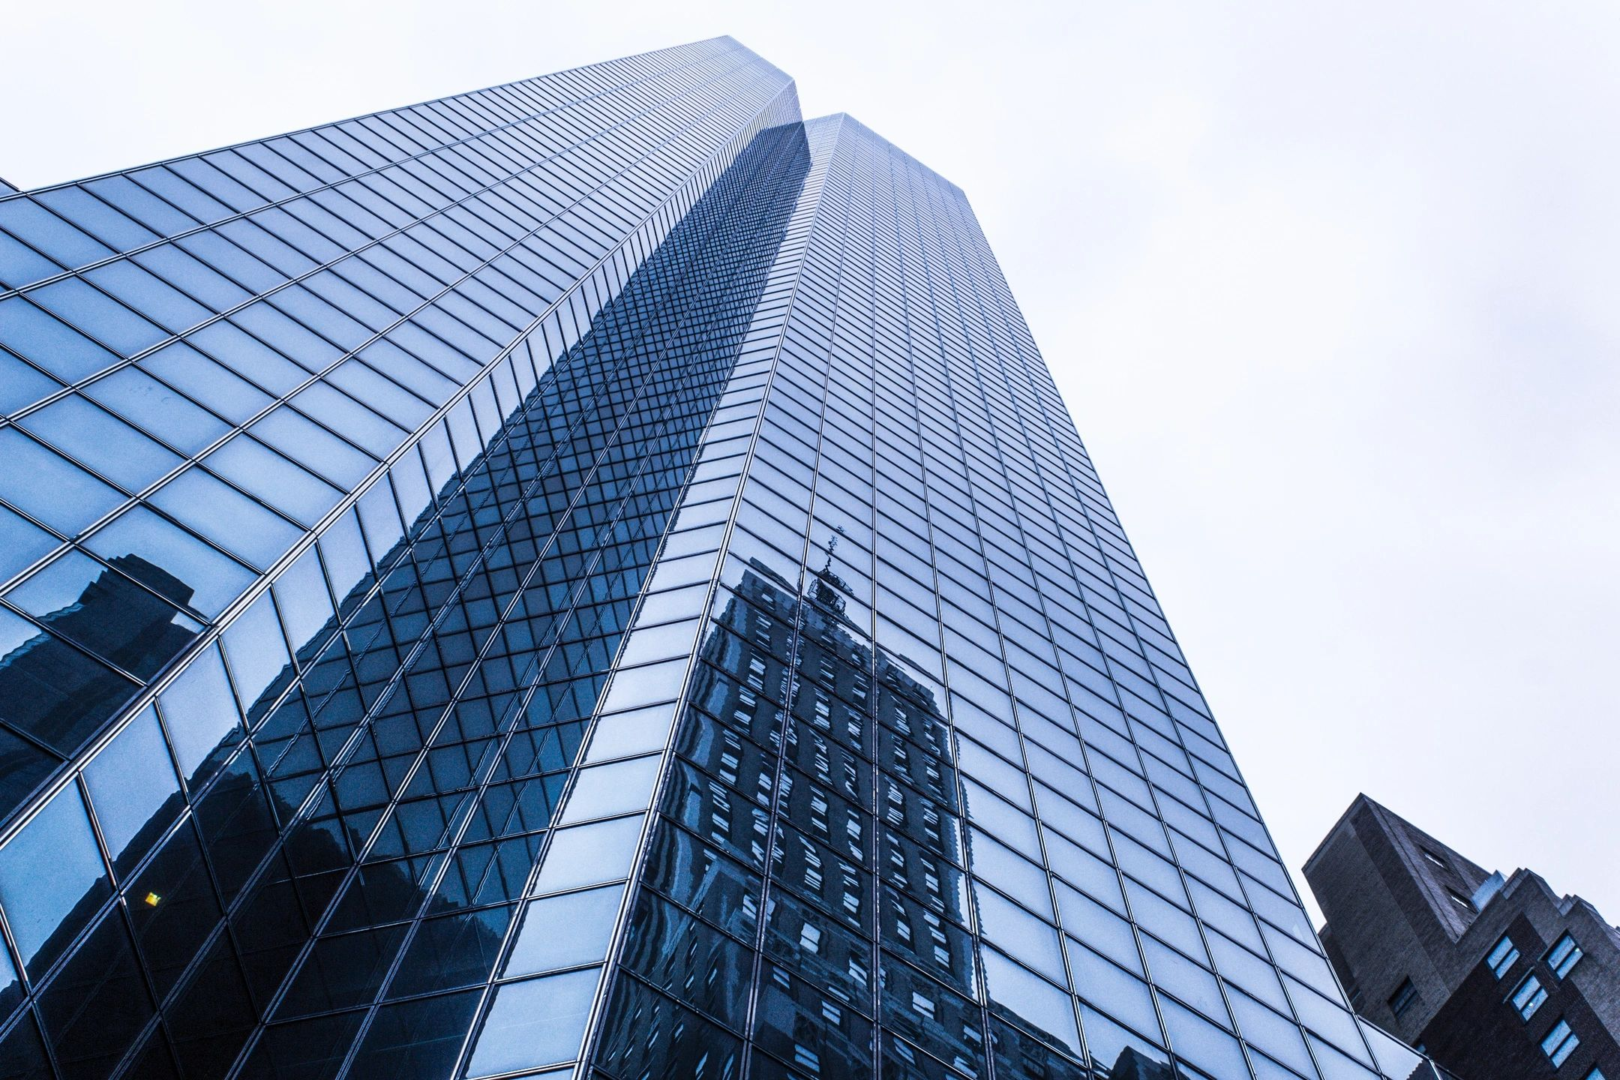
{"x":1492,"y":976}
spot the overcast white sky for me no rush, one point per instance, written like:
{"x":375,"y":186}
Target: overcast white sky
{"x":1333,"y":291}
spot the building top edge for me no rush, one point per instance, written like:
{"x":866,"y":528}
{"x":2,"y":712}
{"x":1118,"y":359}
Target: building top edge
{"x":12,"y":191}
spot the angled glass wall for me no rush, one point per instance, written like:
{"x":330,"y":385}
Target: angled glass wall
{"x":592,"y":579}
{"x":332,"y":470}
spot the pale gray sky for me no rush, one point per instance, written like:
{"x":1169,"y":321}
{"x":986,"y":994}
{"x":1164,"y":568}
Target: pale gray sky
{"x":1331,"y":290}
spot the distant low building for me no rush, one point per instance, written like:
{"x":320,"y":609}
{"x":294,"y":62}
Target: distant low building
{"x":1492,"y":977}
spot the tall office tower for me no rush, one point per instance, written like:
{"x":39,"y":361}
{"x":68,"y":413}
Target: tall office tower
{"x":591,"y":578}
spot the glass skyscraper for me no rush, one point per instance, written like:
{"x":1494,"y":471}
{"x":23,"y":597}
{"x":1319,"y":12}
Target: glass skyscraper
{"x":592,"y":578}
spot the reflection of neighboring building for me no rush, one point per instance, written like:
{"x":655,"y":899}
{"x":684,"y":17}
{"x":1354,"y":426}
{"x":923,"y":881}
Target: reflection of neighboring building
{"x":1491,"y":977}
{"x":1131,"y":1065}
{"x":52,"y":692}
{"x":796,"y":732}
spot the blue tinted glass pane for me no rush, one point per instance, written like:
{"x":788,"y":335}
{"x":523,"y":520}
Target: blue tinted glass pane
{"x":10,"y":985}
{"x":22,"y":385}
{"x":301,"y":594}
{"x":140,"y":205}
{"x":313,"y":447}
{"x":46,"y":486}
{"x":182,"y":568}
{"x":21,"y":543}
{"x":158,"y":409}
{"x":50,"y":234}
{"x":97,"y":218}
{"x":226,"y":516}
{"x":258,"y":470}
{"x":200,"y":713}
{"x":194,"y":278}
{"x":97,"y":314}
{"x":170,"y":308}
{"x":344,"y":553}
{"x":20,"y":264}
{"x":51,"y":866}
{"x":206,"y":382}
{"x":1024,"y":997}
{"x":257,"y":651}
{"x":562,"y":931}
{"x":102,"y":441}
{"x":131,"y":782}
{"x":248,"y":357}
{"x":534,"y":1023}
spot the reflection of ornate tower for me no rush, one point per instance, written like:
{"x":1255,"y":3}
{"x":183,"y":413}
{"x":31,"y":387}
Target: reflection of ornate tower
{"x":799,"y":730}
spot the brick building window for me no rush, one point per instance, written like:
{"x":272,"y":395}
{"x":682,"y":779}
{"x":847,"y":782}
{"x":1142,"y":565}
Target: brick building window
{"x":1529,"y":996}
{"x":1402,"y":998}
{"x":1502,"y":956}
{"x":1559,"y":1043}
{"x":1563,"y":957}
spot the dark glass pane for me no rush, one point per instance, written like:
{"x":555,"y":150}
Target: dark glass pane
{"x":416,"y":1040}
{"x":173,"y":907}
{"x":1021,"y":1057}
{"x":96,"y":1003}
{"x":213,"y":1016}
{"x":342,"y":972}
{"x":688,"y":960}
{"x":23,"y":1053}
{"x":23,"y":765}
{"x":797,"y":1021}
{"x":156,"y":1062}
{"x":647,"y":1034}
{"x":106,"y":612}
{"x":52,"y":691}
{"x":305,"y":1050}
{"x":451,"y":952}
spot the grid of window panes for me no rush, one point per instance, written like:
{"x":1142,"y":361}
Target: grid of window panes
{"x":334,"y":465}
{"x":943,"y":799}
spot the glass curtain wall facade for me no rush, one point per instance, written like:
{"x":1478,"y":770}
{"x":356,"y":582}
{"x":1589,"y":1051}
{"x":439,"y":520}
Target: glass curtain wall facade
{"x":591,"y":578}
